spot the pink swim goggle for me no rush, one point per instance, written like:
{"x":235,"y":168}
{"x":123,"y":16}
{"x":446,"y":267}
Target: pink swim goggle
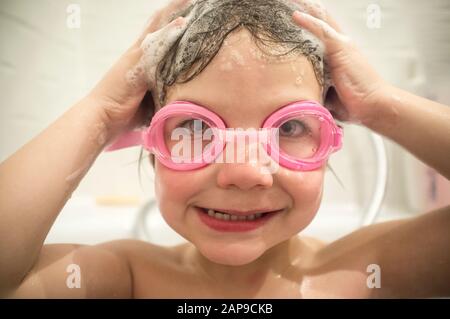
{"x":312,"y":136}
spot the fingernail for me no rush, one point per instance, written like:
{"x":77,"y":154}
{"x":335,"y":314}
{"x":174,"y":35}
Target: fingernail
{"x":299,"y":14}
{"x":178,"y":21}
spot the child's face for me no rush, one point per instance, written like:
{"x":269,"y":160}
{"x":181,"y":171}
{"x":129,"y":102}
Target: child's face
{"x":242,"y":89}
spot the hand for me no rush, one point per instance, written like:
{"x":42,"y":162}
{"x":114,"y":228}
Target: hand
{"x":120,"y":94}
{"x":357,"y":86}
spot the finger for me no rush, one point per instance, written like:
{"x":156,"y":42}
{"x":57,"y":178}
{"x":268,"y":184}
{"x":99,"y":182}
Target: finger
{"x":139,"y":62}
{"x":162,"y":16}
{"x":178,"y":5}
{"x":329,"y":36}
{"x":148,"y":30}
{"x":166,"y":35}
{"x":332,"y":22}
{"x":318,"y":10}
{"x":154,"y":21}
{"x":155,"y":45}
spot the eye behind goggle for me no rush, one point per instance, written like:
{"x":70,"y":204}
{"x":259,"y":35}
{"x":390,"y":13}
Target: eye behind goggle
{"x":304,"y":138}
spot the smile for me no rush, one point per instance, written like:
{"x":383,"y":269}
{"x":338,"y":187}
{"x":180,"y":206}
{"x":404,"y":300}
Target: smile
{"x":233,"y":221}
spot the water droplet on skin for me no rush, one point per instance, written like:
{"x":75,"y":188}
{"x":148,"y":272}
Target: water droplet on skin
{"x":226,"y":66}
{"x":396,"y":98}
{"x":237,"y":58}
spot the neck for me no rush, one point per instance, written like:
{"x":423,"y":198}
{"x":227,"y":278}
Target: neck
{"x":272,"y":264}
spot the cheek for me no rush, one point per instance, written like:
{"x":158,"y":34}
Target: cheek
{"x":171,"y":192}
{"x":169,"y":185}
{"x":305,"y":190}
{"x":175,"y":191}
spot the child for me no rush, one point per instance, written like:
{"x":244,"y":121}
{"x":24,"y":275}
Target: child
{"x":221,"y":260}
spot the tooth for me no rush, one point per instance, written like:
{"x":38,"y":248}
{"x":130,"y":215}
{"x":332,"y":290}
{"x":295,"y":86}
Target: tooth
{"x":225,"y":216}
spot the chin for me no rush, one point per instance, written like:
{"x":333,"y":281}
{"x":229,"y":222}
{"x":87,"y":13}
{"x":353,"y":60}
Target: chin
{"x":232,"y":254}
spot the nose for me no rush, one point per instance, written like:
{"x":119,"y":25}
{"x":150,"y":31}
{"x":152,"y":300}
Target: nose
{"x":245,"y":174}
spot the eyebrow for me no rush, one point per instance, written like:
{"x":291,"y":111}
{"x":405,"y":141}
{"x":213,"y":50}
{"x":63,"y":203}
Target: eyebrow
{"x":195,"y":101}
{"x":280,"y":105}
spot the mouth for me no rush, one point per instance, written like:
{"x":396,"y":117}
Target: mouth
{"x":234,"y":221}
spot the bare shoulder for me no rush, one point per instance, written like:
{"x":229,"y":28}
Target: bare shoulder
{"x":313,"y":244}
{"x":408,"y":252}
{"x":77,"y":271}
{"x":106,"y":270}
{"x":153,"y":267}
{"x":140,"y":254}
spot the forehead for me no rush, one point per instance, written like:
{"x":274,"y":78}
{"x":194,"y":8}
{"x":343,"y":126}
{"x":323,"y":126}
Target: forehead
{"x":242,"y":81}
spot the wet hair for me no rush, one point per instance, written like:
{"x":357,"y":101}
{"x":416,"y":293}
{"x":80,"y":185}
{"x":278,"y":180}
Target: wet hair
{"x":209,"y":22}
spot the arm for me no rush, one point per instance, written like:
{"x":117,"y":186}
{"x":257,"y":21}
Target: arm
{"x":103,"y":271}
{"x":419,"y":125}
{"x":37,"y":181}
{"x":361,"y":96}
{"x":414,"y":253}
{"x":418,"y":264}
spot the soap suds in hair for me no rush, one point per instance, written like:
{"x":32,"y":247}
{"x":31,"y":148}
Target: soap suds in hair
{"x":187,"y":50}
{"x":154,"y":47}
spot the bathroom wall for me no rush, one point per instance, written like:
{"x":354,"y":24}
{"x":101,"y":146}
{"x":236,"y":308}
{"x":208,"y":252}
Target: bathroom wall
{"x":48,"y":62}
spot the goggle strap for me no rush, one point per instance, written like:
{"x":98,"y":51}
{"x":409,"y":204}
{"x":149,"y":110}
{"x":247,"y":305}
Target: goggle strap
{"x":128,"y":139}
